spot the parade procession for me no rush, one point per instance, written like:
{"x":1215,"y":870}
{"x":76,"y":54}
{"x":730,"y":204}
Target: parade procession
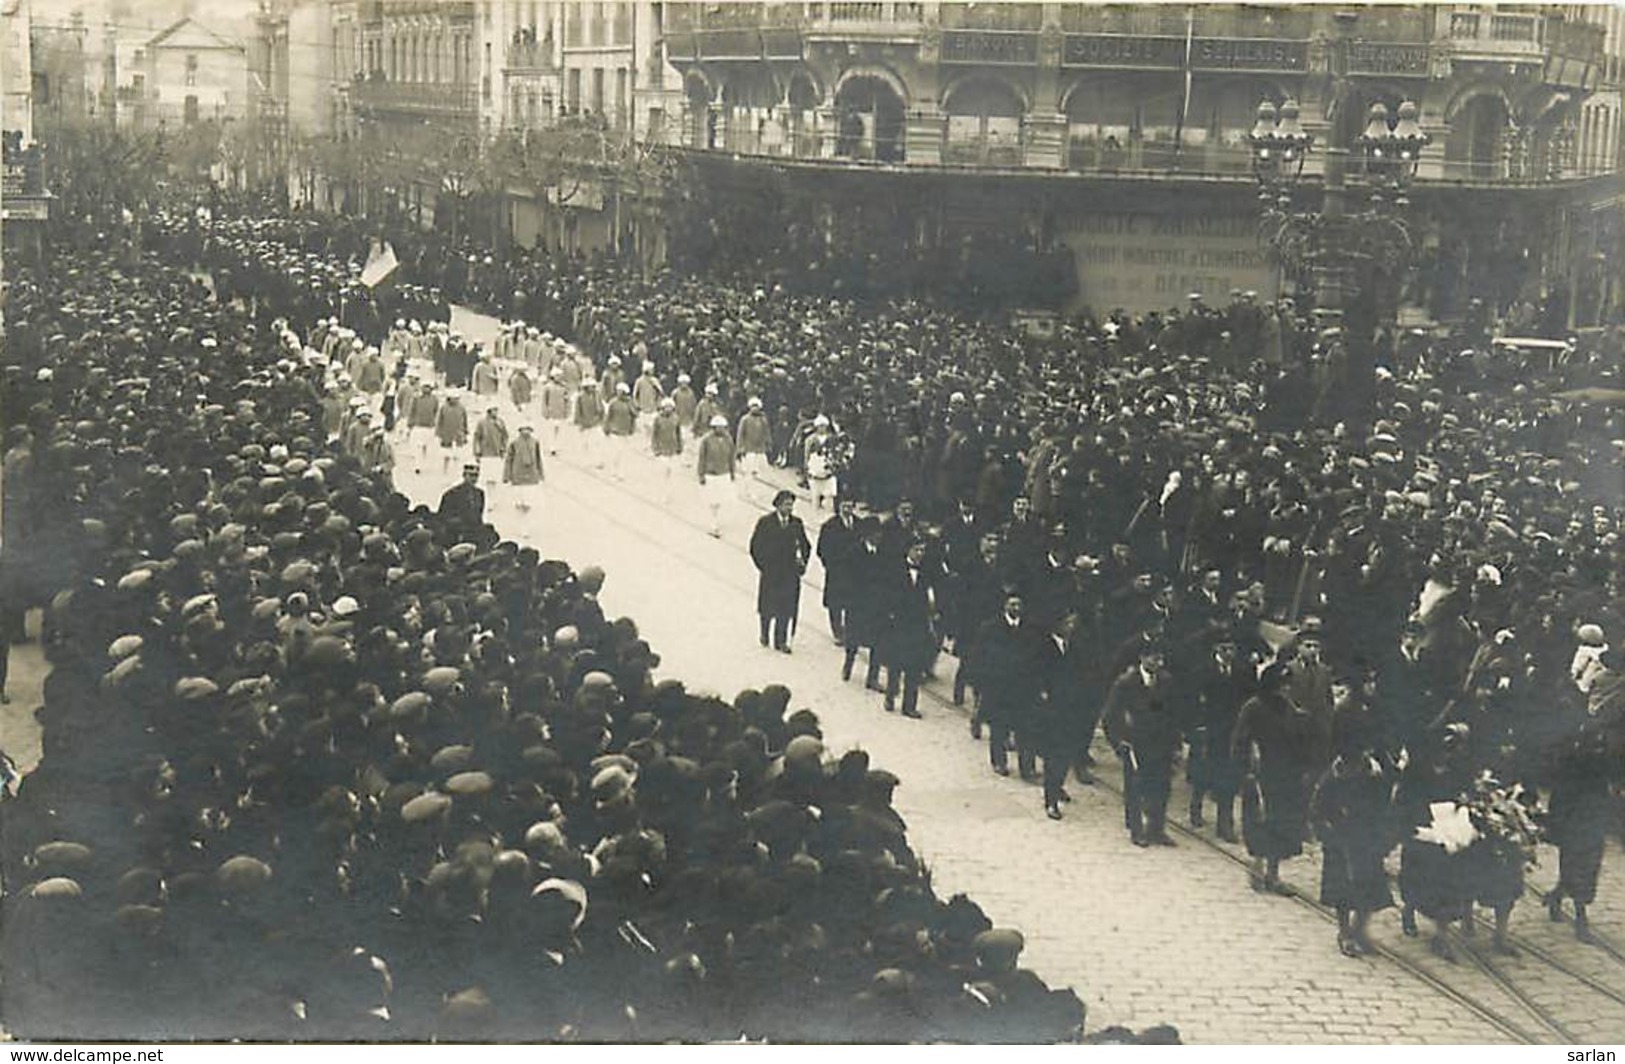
{"x":775,"y":583}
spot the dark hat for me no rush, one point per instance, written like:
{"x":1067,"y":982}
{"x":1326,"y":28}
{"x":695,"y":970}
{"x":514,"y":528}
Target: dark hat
{"x":998,"y":949}
{"x":881,"y":780}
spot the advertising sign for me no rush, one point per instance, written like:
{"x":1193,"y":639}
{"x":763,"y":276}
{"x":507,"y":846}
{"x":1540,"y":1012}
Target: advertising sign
{"x":1150,"y":261}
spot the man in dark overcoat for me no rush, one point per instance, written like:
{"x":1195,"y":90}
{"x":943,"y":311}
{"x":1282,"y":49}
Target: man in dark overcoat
{"x":864,"y":624}
{"x":910,"y":638}
{"x":839,"y":540}
{"x":982,"y":581}
{"x":1142,"y":726}
{"x":1007,"y":669}
{"x":780,"y":549}
{"x":1218,"y":687}
{"x":462,"y":507}
{"x":1067,"y":713}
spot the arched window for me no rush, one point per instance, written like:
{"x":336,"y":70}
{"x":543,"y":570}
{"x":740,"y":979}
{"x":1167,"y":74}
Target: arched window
{"x":984,"y":123}
{"x":869,"y":120}
{"x":1107,"y":118}
{"x":1476,"y":147}
{"x":747,"y":98}
{"x":702,"y":128}
{"x":802,"y":101}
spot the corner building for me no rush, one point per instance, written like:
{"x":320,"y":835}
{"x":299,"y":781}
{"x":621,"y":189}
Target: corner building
{"x":1115,"y":136}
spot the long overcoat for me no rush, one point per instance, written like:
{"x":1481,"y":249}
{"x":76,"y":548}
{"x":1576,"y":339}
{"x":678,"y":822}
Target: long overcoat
{"x":780,"y":550}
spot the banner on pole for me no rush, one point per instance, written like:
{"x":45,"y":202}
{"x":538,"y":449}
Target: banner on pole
{"x":380,"y":264}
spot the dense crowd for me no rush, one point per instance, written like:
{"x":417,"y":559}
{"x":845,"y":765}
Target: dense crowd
{"x":1133,"y":523}
{"x":320,"y":763}
{"x":342,"y":719}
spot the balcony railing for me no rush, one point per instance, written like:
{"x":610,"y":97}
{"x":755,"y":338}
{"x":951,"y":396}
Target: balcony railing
{"x":1477,"y":34}
{"x":1090,"y":153}
{"x":427,"y":97}
{"x":1513,"y":28}
{"x":860,"y":19}
{"x":770,"y":43}
{"x":861,"y":12}
{"x":984,"y":150}
{"x":1083,"y":149}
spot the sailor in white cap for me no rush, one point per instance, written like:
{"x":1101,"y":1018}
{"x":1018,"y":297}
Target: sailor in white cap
{"x":620,"y":427}
{"x":555,"y":407}
{"x":716,"y":470}
{"x":685,"y":400}
{"x":451,"y":426}
{"x":589,"y":418}
{"x":751,"y":443}
{"x":647,"y":390}
{"x":666,"y":439}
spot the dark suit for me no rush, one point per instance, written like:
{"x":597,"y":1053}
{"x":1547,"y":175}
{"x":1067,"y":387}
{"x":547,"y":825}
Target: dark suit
{"x":911,"y":642}
{"x":837,"y":550}
{"x":1412,"y":692}
{"x":1069,"y":711}
{"x":1216,"y":703}
{"x":780,"y":549}
{"x":979,"y":600}
{"x":1142,"y":726}
{"x":1051,"y":590}
{"x":960,"y":540}
{"x":1008,"y":673}
{"x":895,"y":536}
{"x":868,"y":609}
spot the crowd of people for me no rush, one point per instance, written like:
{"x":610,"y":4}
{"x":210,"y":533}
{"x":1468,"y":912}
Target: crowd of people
{"x":313,"y":706}
{"x":319,"y":763}
{"x":1131,"y":526}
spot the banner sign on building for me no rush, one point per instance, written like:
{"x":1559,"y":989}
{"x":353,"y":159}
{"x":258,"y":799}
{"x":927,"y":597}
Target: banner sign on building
{"x":1168,"y":53}
{"x":1123,"y":50}
{"x":1141,"y":261}
{"x":1245,"y":53}
{"x":27,"y":210}
{"x":989,"y":46}
{"x":1404,"y":60}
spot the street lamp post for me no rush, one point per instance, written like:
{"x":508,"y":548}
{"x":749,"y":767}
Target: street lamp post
{"x":1353,"y":249}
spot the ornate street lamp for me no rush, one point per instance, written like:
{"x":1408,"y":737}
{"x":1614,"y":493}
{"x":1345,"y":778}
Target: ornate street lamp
{"x":1353,"y":249}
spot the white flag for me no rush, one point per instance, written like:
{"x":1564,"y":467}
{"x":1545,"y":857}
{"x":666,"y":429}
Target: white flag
{"x":380,"y":264}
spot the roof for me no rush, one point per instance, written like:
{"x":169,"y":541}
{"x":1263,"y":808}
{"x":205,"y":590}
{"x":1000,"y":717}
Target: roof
{"x":190,"y":34}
